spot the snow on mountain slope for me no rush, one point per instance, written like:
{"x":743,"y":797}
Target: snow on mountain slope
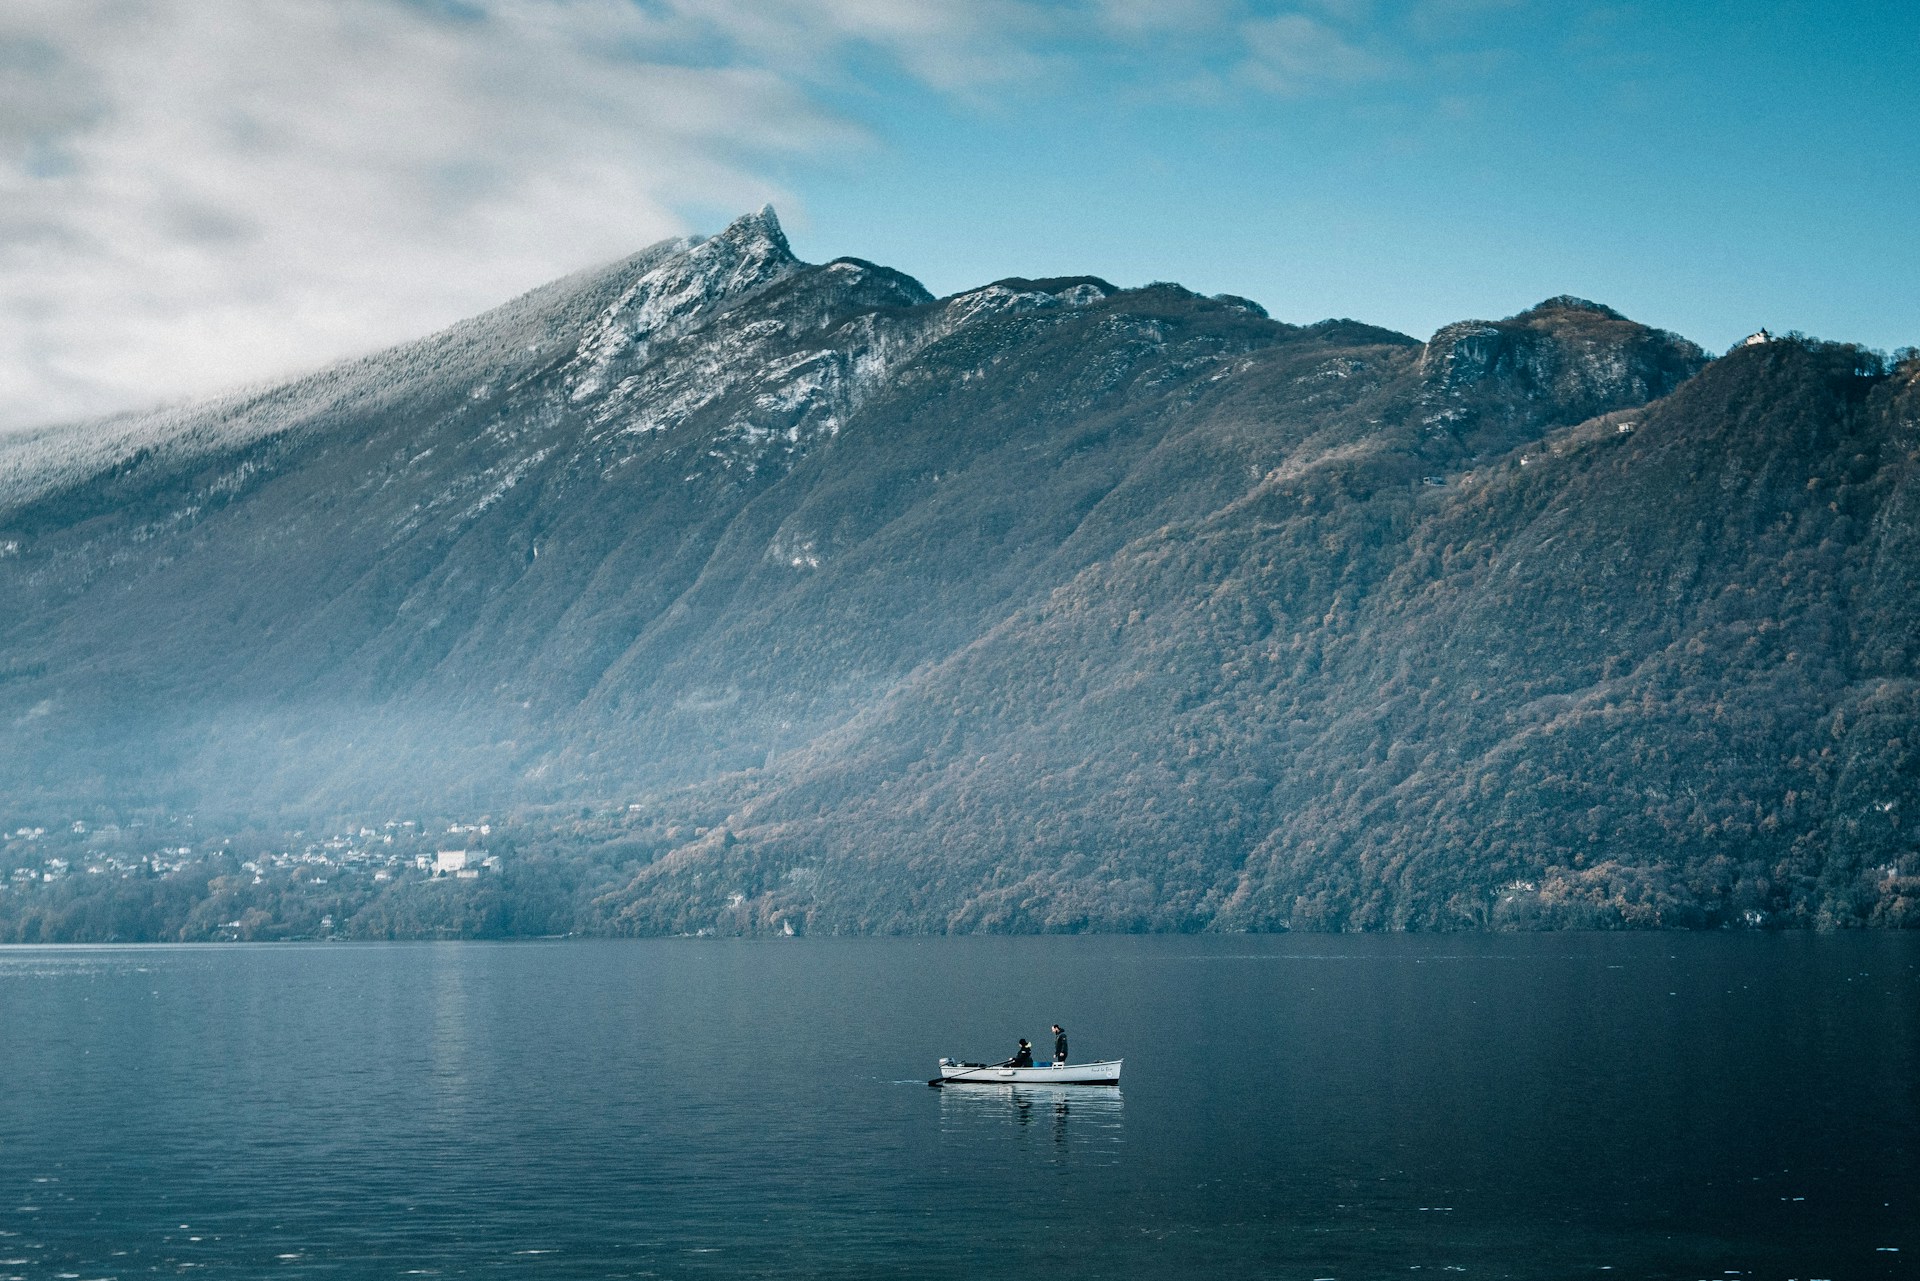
{"x":479,"y":353}
{"x":713,"y":513}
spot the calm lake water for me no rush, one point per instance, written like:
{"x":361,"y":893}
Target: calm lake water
{"x":1294,"y":1106}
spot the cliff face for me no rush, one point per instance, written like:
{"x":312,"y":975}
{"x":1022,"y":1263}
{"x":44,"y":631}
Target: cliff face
{"x":1048,"y":605}
{"x":1491,"y":385}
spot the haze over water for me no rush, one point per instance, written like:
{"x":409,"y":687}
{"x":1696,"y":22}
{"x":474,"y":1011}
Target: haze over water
{"x":1294,"y":1106}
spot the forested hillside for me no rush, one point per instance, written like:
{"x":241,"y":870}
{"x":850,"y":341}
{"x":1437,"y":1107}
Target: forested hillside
{"x":747,"y":595}
{"x":1653,"y":669}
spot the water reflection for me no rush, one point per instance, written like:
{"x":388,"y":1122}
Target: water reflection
{"x":329,"y":1111}
{"x":1081,"y":1115}
{"x":37,"y":961}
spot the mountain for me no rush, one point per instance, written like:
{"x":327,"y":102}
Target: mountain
{"x":762,"y":595}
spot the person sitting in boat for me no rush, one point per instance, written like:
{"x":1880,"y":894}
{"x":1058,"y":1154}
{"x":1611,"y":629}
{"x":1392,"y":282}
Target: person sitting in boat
{"x":1022,"y":1057}
{"x":1059,"y":1045}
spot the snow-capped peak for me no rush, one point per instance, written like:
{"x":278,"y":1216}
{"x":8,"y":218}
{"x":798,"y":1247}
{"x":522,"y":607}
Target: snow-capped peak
{"x":685,"y":290}
{"x":759,"y":231}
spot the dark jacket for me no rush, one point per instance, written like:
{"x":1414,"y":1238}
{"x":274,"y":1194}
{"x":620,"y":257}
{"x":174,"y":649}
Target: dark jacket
{"x":1022,"y":1058}
{"x":1060,"y":1046}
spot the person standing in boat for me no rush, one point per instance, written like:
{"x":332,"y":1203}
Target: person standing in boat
{"x":1022,"y":1057}
{"x":1059,"y":1045}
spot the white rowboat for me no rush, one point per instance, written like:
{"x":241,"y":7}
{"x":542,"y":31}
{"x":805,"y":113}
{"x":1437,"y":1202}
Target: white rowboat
{"x":1105,"y":1072}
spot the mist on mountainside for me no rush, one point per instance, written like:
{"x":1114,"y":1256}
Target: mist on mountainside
{"x":748,"y":595}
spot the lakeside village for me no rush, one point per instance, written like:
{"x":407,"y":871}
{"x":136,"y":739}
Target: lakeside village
{"x":30,"y":855}
{"x":43,"y":866}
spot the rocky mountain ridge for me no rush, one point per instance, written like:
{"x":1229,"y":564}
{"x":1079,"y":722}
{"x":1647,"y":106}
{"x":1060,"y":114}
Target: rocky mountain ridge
{"x":1047,"y":605}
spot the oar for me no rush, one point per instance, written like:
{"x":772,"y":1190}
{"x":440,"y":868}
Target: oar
{"x":941,"y":1080}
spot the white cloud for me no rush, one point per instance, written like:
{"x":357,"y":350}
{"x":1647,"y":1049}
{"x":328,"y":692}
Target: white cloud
{"x":198,"y":193}
{"x":195,"y":193}
{"x":1294,"y":53}
{"x":951,"y":45}
{"x":1158,"y":17}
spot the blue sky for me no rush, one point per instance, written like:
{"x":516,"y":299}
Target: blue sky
{"x":200,"y":193}
{"x":1707,"y":167}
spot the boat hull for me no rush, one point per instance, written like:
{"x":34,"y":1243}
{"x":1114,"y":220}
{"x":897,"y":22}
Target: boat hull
{"x":1106,"y":1072}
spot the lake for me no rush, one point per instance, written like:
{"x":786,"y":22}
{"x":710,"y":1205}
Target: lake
{"x":1624,"y":1105}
